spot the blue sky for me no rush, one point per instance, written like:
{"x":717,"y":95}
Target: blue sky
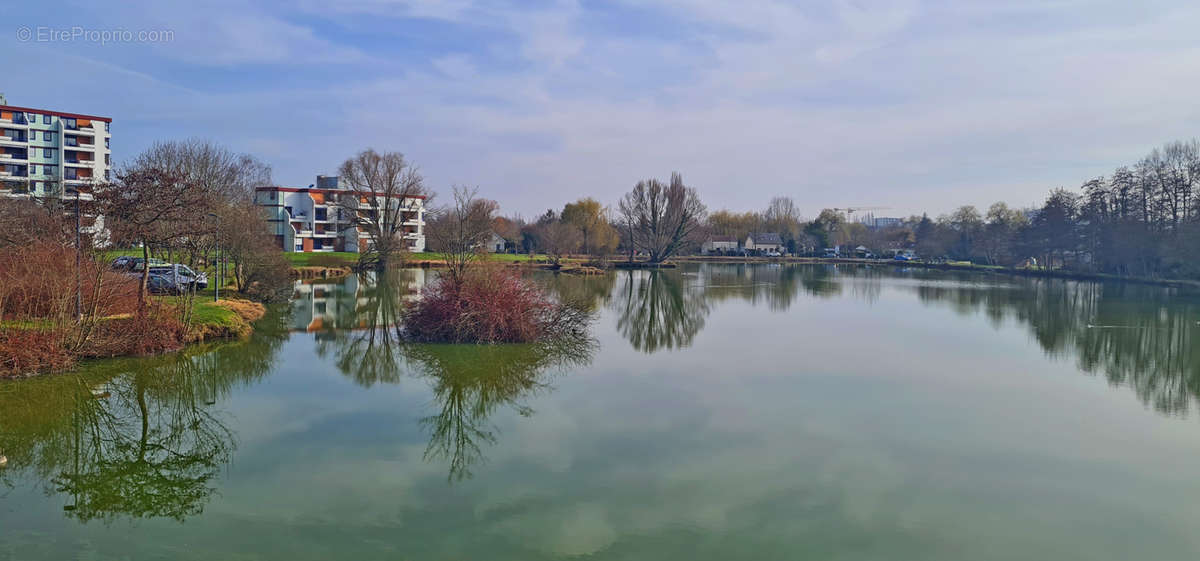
{"x":910,"y":104}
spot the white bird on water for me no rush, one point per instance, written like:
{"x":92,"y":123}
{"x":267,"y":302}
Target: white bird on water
{"x":3,"y":461}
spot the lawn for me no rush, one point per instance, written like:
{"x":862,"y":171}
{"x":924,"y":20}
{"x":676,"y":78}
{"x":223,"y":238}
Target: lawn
{"x":326,"y":258}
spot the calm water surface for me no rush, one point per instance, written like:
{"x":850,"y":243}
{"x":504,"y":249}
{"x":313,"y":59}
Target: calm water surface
{"x":716,"y":412}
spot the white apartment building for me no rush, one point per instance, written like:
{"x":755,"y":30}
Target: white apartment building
{"x":311,"y":220}
{"x":46,"y":153}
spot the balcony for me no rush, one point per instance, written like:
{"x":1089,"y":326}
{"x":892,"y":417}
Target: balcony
{"x":8,"y":172}
{"x":76,"y":162}
{"x":11,"y":157}
{"x":6,"y":140}
{"x":16,"y":122}
{"x":72,"y":144}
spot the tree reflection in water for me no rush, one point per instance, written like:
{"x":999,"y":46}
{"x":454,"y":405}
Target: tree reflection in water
{"x":1142,"y":337}
{"x":365,"y":337}
{"x":658,"y":310}
{"x":469,"y":382}
{"x":138,"y":438}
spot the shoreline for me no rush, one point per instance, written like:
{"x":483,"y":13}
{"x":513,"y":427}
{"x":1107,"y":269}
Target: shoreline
{"x":986,"y":269}
{"x":620,"y":262}
{"x":235,"y":322}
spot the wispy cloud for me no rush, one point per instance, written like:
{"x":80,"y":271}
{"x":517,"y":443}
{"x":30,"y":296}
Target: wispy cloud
{"x":904,"y":103}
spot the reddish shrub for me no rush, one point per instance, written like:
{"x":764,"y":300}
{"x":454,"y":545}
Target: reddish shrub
{"x":155,"y":331}
{"x":38,"y":280}
{"x":29,"y":351}
{"x":492,"y":305}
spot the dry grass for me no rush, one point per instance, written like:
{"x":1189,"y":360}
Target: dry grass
{"x":225,"y":319}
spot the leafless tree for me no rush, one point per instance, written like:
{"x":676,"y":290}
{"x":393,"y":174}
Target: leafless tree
{"x":460,"y":230}
{"x":558,"y":239}
{"x":660,"y":219}
{"x":383,"y":192}
{"x":148,"y":207}
{"x":227,"y":180}
{"x":213,"y":168}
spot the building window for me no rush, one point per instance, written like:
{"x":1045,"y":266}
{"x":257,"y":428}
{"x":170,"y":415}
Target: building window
{"x":106,"y":143}
{"x":45,"y":119}
{"x":106,"y":125}
{"x":69,"y":123}
{"x":32,"y":135}
{"x":32,"y":169}
{"x":31,"y":118}
{"x":106,"y":160}
{"x":48,"y":136}
{"x":48,"y":153}
{"x":107,"y":175}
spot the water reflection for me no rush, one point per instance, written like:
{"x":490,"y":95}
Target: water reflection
{"x":1142,"y":337}
{"x":469,"y":382}
{"x":359,"y":327}
{"x":136,"y":438}
{"x":659,"y":309}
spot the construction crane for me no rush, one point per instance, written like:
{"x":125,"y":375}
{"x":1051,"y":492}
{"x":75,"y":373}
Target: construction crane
{"x":853,"y":209}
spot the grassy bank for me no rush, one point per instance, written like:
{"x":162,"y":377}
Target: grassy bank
{"x":223,"y":319}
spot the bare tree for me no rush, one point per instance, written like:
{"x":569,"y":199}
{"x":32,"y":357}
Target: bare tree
{"x":461,"y":229}
{"x":226,"y":178}
{"x":150,"y":206}
{"x":558,"y":239}
{"x":660,"y":219}
{"x":382,"y":199}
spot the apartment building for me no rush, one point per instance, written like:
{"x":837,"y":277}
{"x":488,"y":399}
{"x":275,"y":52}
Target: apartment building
{"x":46,"y":153}
{"x":311,"y":219}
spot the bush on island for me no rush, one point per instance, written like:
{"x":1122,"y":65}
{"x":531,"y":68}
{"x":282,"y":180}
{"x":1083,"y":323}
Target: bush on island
{"x":491,"y":305}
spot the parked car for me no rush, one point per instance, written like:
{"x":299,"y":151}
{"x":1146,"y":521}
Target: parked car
{"x":773,"y":254}
{"x":903,"y":257}
{"x":136,"y":263}
{"x":159,"y":284}
{"x":181,"y":275}
{"x":832,"y":252}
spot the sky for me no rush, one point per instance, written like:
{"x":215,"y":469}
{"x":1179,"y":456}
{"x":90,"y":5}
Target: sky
{"x":913,"y":105}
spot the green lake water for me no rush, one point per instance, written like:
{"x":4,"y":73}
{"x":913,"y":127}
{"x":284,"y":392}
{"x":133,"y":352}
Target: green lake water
{"x":714,"y":412}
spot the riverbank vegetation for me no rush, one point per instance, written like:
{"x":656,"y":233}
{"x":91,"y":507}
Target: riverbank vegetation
{"x":478,"y":302}
{"x":62,"y":299}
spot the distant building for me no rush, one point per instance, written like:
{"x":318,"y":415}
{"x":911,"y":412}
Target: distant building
{"x":884,"y":222}
{"x":46,"y":153}
{"x":496,"y":243}
{"x":311,"y":220}
{"x":719,"y":244}
{"x":763,"y":241}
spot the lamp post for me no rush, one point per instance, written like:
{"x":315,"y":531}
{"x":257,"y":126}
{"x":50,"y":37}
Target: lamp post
{"x":217,"y":271}
{"x":78,"y":259}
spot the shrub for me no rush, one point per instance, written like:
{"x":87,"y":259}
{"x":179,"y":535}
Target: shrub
{"x":490,"y":305}
{"x":30,"y":351}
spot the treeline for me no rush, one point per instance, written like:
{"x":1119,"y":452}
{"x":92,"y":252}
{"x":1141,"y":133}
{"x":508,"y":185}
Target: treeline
{"x":1141,"y":220}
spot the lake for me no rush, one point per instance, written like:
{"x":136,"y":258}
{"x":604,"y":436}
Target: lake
{"x":714,"y":412}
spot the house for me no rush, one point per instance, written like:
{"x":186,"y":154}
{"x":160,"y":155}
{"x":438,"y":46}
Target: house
{"x":763,"y":242}
{"x":719,"y":245}
{"x":495,"y":243}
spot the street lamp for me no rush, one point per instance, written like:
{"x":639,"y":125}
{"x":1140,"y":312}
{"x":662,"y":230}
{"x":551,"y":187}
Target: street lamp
{"x":217,"y":272}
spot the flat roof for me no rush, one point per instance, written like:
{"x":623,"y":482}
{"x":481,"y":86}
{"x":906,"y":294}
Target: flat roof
{"x":319,"y":190}
{"x":55,"y":113}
